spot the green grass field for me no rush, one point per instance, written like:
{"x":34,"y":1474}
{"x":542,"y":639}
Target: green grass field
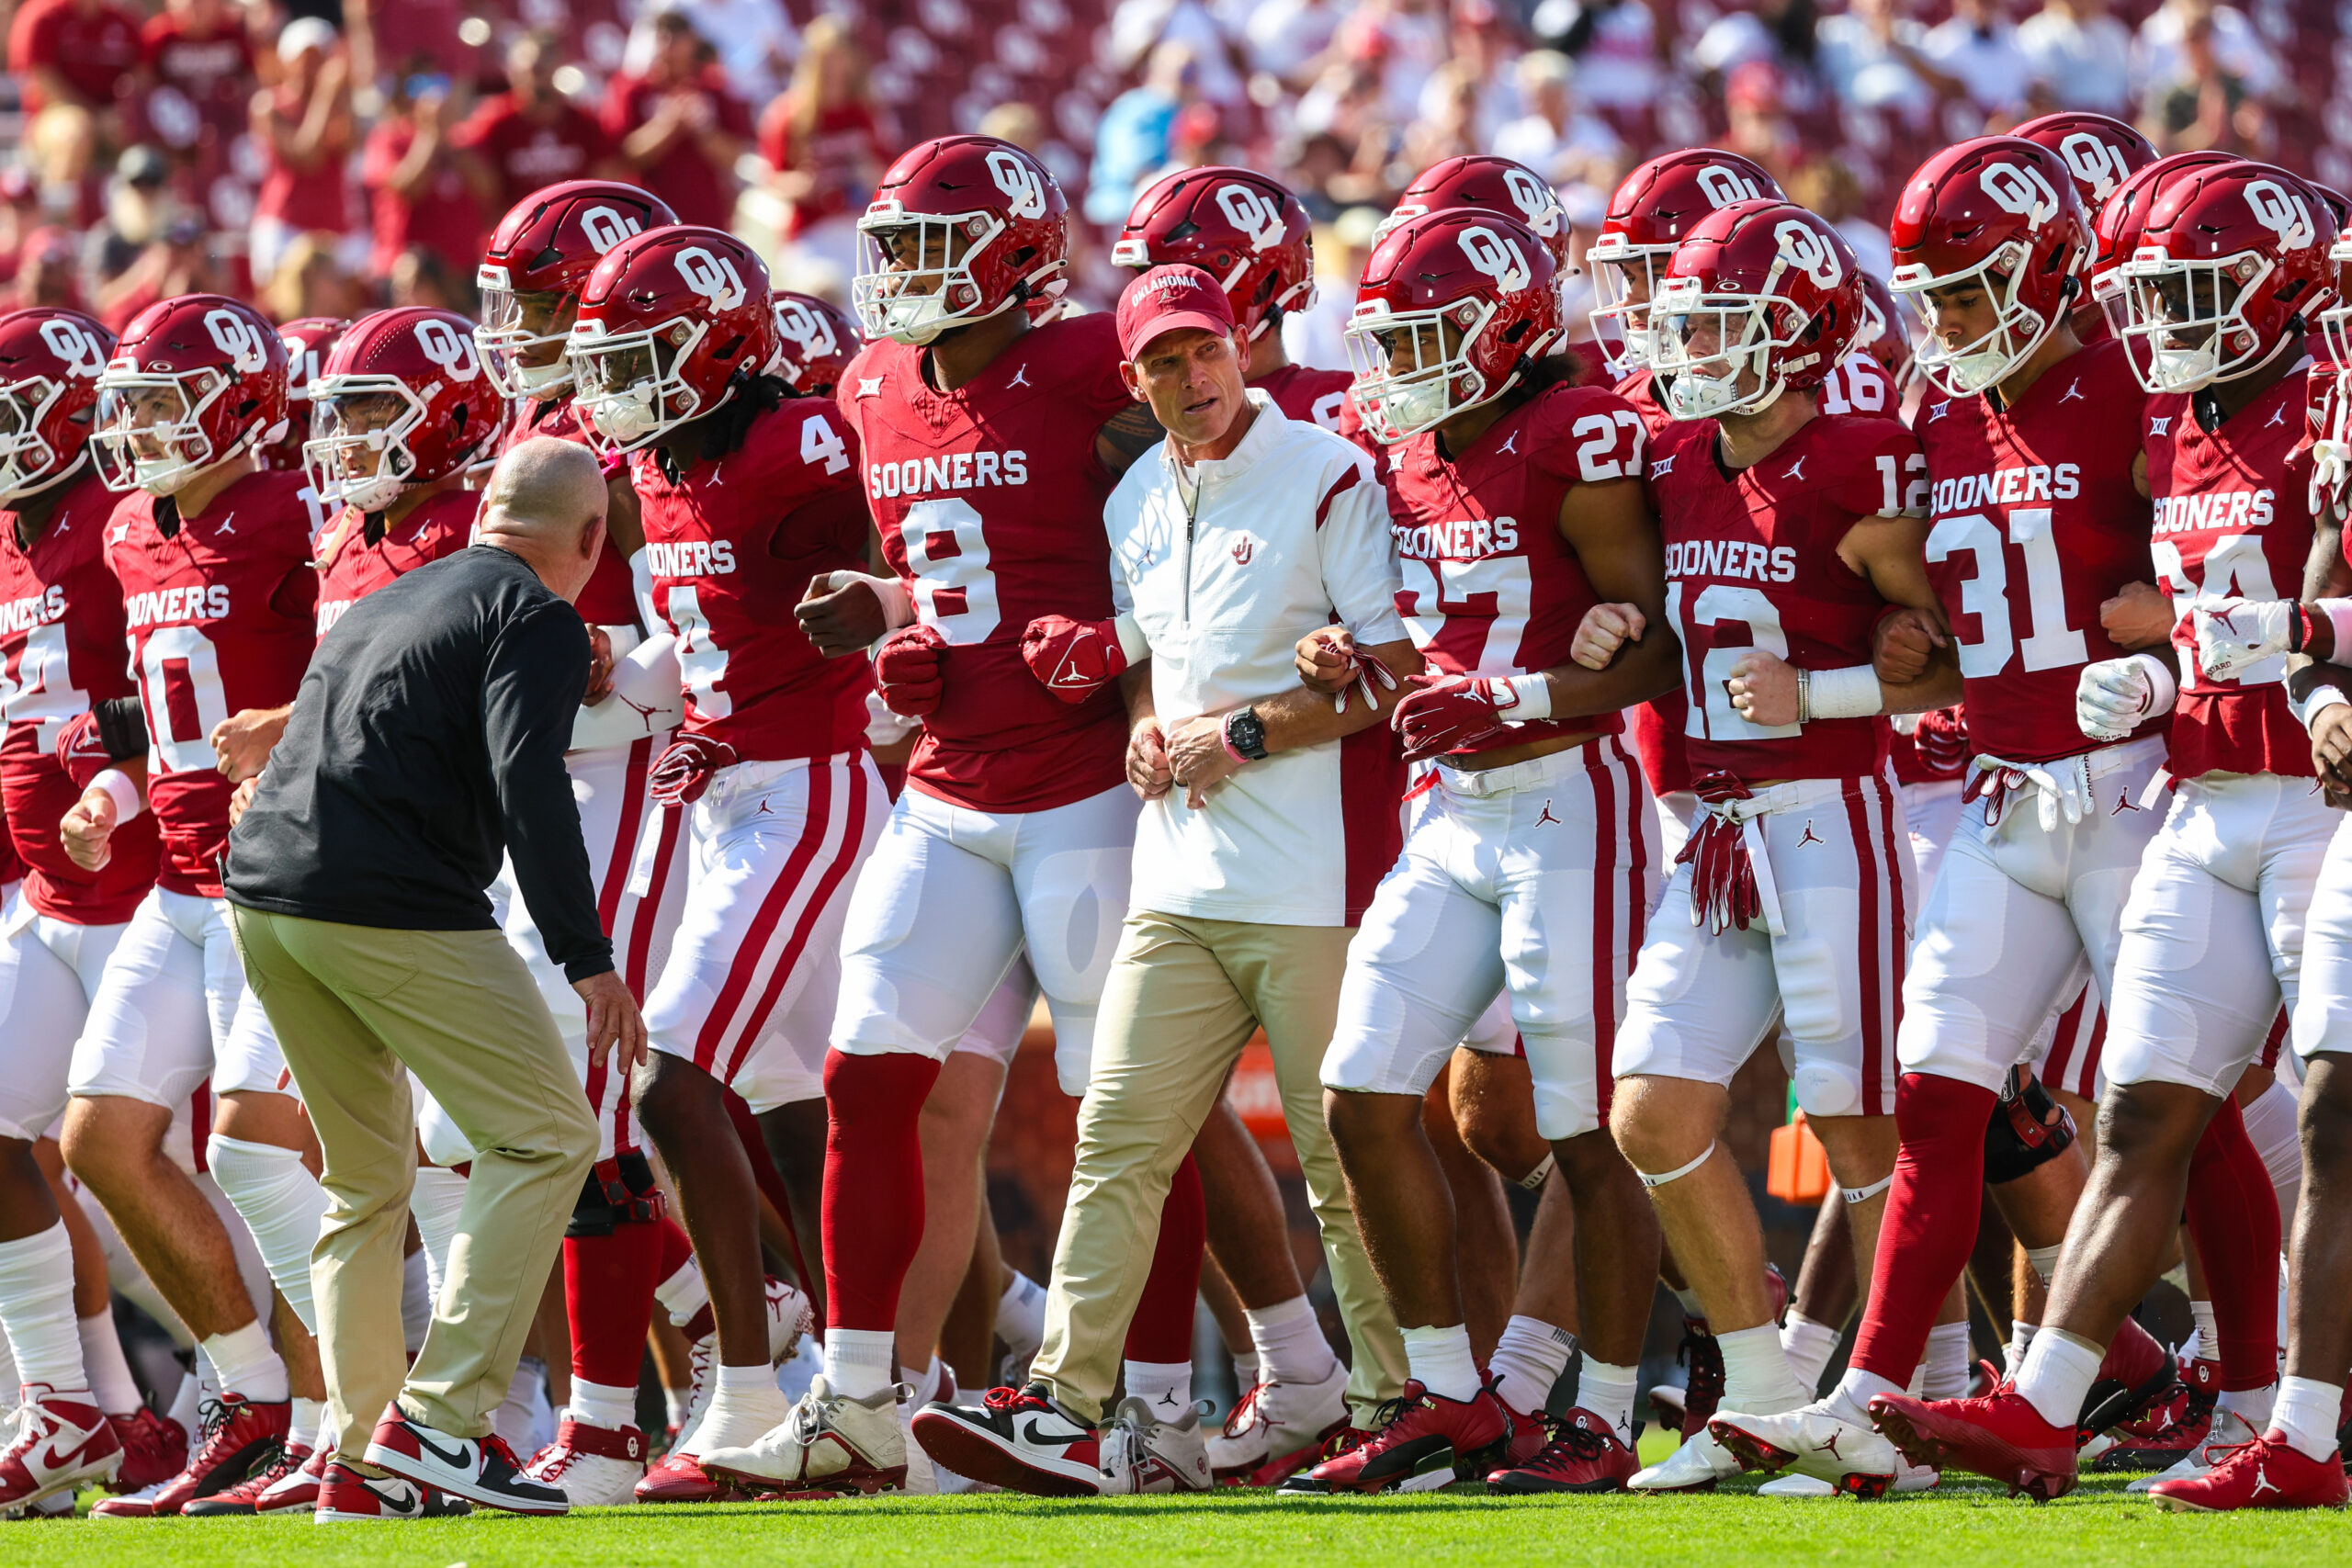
{"x":1960,"y":1524}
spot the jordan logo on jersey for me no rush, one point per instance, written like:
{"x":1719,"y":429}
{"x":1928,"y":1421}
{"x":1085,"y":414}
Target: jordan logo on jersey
{"x":2159,"y":424}
{"x":2075,"y":392}
{"x":1547,"y":817}
{"x":1020,"y":378}
{"x":1796,"y":470}
{"x":1810,"y":836}
{"x":2278,"y":416}
{"x":1510,"y":444}
{"x":2123,"y":803}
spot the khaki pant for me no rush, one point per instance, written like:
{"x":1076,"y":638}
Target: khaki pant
{"x":1183,"y":998}
{"x":358,"y":1010}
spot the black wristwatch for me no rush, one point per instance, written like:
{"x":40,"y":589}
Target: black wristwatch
{"x":1246,"y":733}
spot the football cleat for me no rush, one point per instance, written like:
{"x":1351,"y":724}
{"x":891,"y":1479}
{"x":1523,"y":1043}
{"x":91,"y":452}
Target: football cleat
{"x":59,"y":1445}
{"x":596,"y":1467}
{"x":479,"y":1469}
{"x":236,"y":1433}
{"x":1999,"y":1435}
{"x":1584,"y":1455}
{"x":831,"y":1445}
{"x":153,"y":1449}
{"x":1696,"y":1466}
{"x":1795,"y":1486}
{"x":2259,"y":1473}
{"x":1419,"y":1442}
{"x":1278,"y":1426}
{"x":2172,"y":1428}
{"x":1140,"y":1452}
{"x":1531,"y":1432}
{"x":298,"y":1488}
{"x":345,"y":1497}
{"x":680,"y":1478}
{"x":245,"y":1496}
{"x":1815,"y":1441}
{"x":1018,"y":1439}
{"x":1702,"y":1360}
{"x":139,"y":1504}
{"x":2226,"y":1430}
{"x":2137,"y":1373}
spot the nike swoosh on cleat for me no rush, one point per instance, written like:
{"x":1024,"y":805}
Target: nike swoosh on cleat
{"x":462,"y":1459}
{"x":1032,"y":1435}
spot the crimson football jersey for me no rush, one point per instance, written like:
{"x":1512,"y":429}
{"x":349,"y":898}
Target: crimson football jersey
{"x":989,"y":501}
{"x":221,"y":618}
{"x":1490,"y":588}
{"x":61,"y":651}
{"x":1655,"y":726}
{"x":1751,"y":561}
{"x":356,"y":565}
{"x":2035,"y":524}
{"x":733,"y":547}
{"x":610,"y":598}
{"x":2233,"y":521}
{"x":1309,"y":396}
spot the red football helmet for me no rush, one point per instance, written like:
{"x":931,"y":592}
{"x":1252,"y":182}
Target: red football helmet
{"x":531,"y":276}
{"x":2232,"y":263}
{"x":2099,"y":150}
{"x":1498,"y":184}
{"x":815,"y":343}
{"x":49,"y":361}
{"x":671,"y":325}
{"x":195,"y":381}
{"x":1655,"y":208}
{"x":1886,"y":333}
{"x":402,"y":401}
{"x":1455,"y":308}
{"x":1999,"y":214}
{"x":309,"y":340}
{"x":1242,"y":228}
{"x":961,"y":228}
{"x":1763,"y":292}
{"x":2122,"y":218}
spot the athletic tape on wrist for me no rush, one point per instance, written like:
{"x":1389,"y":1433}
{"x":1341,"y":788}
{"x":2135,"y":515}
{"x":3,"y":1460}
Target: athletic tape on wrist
{"x":2339,"y":618}
{"x":1850,"y":693}
{"x":124,"y":792}
{"x":1679,"y":1172}
{"x":2163,"y":684}
{"x":1531,"y":697}
{"x":1864,"y":1194}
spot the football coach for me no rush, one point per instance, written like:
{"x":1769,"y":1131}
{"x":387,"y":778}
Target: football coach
{"x":425,"y":741}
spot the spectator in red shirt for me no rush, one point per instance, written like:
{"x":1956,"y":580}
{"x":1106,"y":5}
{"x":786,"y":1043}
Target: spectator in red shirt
{"x":49,"y":271}
{"x":531,"y":135}
{"x":823,"y":143}
{"x":417,"y":194}
{"x":74,"y":52}
{"x":680,"y":127}
{"x":199,"y":81}
{"x":305,"y":128}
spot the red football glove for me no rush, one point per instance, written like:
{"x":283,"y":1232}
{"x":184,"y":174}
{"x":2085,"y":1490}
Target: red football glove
{"x":1942,"y":741}
{"x":1446,"y":713}
{"x":1074,"y":659}
{"x":907,"y":671}
{"x":682,"y":771}
{"x":80,"y":749}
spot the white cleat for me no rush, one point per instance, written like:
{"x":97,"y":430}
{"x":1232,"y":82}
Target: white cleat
{"x":828,"y":1447}
{"x":2228,"y":1431}
{"x":1275,"y":1420}
{"x":597,"y":1467}
{"x":1909,"y":1477}
{"x":1143,"y":1453}
{"x":1696,"y":1466}
{"x":1795,"y":1485}
{"x":1815,"y":1441}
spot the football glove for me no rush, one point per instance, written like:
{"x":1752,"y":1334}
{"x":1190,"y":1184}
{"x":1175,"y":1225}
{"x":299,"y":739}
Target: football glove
{"x":683,"y":771}
{"x":1449,"y":712}
{"x":2115,"y":696}
{"x":1074,"y":659}
{"x":2235,"y":634}
{"x":907,"y":670}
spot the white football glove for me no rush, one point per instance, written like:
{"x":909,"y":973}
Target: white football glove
{"x":2331,"y":465}
{"x":2115,"y":696}
{"x":2062,"y":788}
{"x":2236,"y":634}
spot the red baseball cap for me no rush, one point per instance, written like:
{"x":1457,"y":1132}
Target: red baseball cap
{"x":1164,"y":298}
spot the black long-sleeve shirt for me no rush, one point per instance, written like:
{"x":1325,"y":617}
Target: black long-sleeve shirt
{"x":426,"y":740}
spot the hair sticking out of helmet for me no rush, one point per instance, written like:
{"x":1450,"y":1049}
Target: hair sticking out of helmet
{"x":1242,"y":228}
{"x":196,"y":382}
{"x":1654,"y":209}
{"x":1760,"y":298}
{"x":961,"y":228}
{"x":672,"y":325}
{"x":403,"y":401}
{"x":49,"y":361}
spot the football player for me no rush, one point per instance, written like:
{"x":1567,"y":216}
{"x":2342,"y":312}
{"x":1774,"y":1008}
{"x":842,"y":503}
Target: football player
{"x":2100,"y":154}
{"x":309,"y":340}
{"x":2230,"y":258}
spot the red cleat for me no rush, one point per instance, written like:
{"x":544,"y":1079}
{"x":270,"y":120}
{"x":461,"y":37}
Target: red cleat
{"x":1584,"y":1455}
{"x":680,"y":1478}
{"x":2172,"y":1429}
{"x":1530,"y":1433}
{"x":1425,"y":1443}
{"x":1335,"y":1441}
{"x":153,"y":1449}
{"x":1703,"y":1393}
{"x":2136,"y":1373}
{"x":1999,"y":1435}
{"x":2259,"y":1474}
{"x":57,"y":1445}
{"x":245,"y":1496}
{"x":237,"y":1434}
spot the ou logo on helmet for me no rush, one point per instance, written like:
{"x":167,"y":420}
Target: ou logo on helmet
{"x":604,"y":228}
{"x":1722,"y":185}
{"x":1537,"y":200}
{"x":447,"y":346}
{"x":2282,"y":212}
{"x":804,"y":328}
{"x":2021,"y":190}
{"x":1019,"y":181}
{"x":238,"y":338}
{"x":2094,"y":163}
{"x":82,"y":352}
{"x":1806,"y":250}
{"x":1249,"y":211}
{"x":1497,"y":257}
{"x":712,"y":276}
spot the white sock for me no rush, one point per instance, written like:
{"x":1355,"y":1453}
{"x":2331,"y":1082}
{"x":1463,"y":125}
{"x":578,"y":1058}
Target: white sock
{"x":2043,"y":1260}
{"x":1947,"y":1361}
{"x":282,"y":1203}
{"x":599,"y":1404}
{"x":2255,"y":1405}
{"x":675,"y":1402}
{"x":1690,"y":1307}
{"x":2021,"y":1334}
{"x":1851,"y":1400}
{"x":744,"y":1404}
{"x":1165,"y":1386}
{"x":111,"y":1384}
{"x":1528,"y":1359}
{"x":10,"y":1383}
{"x":683,"y":1294}
{"x":1607,"y":1391}
{"x":1021,"y":1316}
{"x":516,"y":1414}
{"x":1757,"y":1378}
{"x":1808,"y":1346}
{"x":434,"y":1201}
{"x":302,"y":1425}
{"x":928,"y":1386}
{"x":2058,"y":1372}
{"x":858,"y":1362}
{"x":2305,"y":1414}
{"x":243,"y":1361}
{"x":2208,"y":1329}
{"x":1439,"y":1361}
{"x":416,"y":1299}
{"x":37,"y":1311}
{"x":188,"y":1404}
{"x":1289,"y":1342}
{"x":2270,"y":1126}
{"x":1245,"y":1369}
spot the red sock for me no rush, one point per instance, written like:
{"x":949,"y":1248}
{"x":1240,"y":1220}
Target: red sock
{"x":676,"y":1251}
{"x":873,"y":1204}
{"x":1161,"y":1330}
{"x":608,"y":1295}
{"x":1930,"y":1222}
{"x":2233,"y":1219}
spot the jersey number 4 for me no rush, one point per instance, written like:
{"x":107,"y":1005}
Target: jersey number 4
{"x":2235,"y":568}
{"x":40,"y":691}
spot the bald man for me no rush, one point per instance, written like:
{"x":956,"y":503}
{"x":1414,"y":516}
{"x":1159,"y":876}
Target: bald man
{"x":427,"y":742}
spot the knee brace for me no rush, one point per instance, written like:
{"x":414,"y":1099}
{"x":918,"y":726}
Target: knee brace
{"x":617,"y":1192}
{"x":2027,"y":1129}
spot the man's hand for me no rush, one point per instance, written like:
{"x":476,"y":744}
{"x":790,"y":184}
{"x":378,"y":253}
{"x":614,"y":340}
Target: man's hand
{"x":1942,"y":739}
{"x":683,"y":771}
{"x":1330,"y":661}
{"x":841,"y":620}
{"x":2113,"y":697}
{"x":2235,"y":634}
{"x":2138,"y":617}
{"x":242,"y":741}
{"x":86,"y":830}
{"x":614,"y":1022}
{"x":1763,"y":688}
{"x":240,"y":798}
{"x":1604,"y":629}
{"x":1074,"y":659}
{"x":1903,"y":644}
{"x":1446,"y":713}
{"x":2332,"y":750}
{"x":1197,"y":757}
{"x":600,"y":667}
{"x":908,"y":671}
{"x":1147,"y":760}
